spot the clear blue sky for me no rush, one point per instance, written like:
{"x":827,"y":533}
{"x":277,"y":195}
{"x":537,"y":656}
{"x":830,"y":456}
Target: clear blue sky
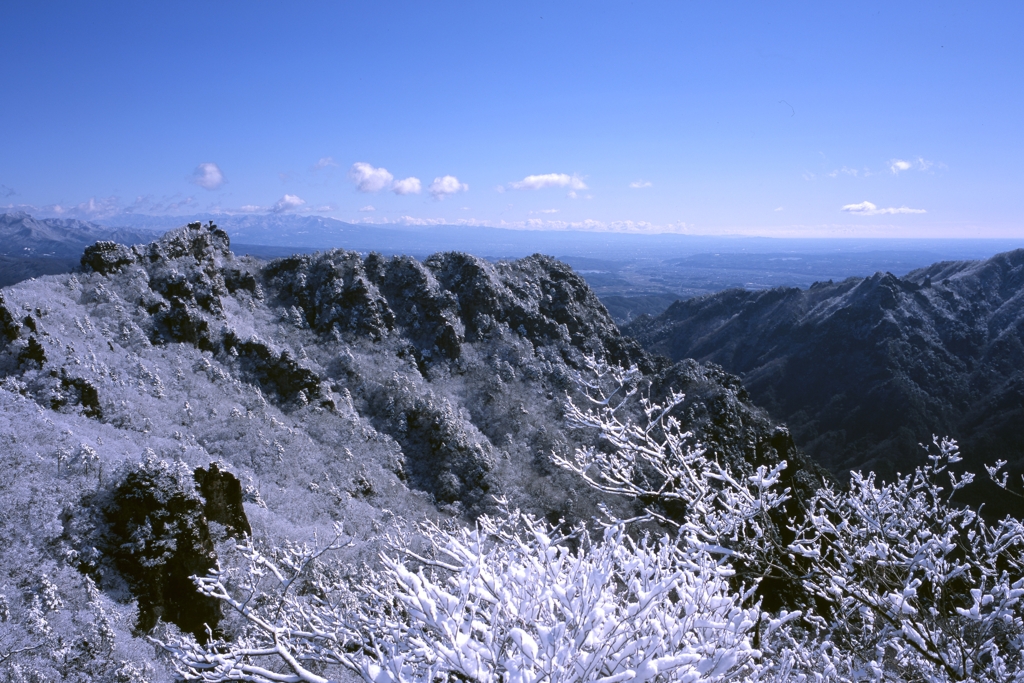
{"x":750,"y":118}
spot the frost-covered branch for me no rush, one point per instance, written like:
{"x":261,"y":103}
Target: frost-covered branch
{"x":656,"y":461}
{"x":910,"y":578}
{"x":286,"y":638}
{"x":902,"y":583}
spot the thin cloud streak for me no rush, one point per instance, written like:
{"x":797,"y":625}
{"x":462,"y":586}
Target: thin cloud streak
{"x":325,"y":162}
{"x":869,"y":209}
{"x":539,"y":182}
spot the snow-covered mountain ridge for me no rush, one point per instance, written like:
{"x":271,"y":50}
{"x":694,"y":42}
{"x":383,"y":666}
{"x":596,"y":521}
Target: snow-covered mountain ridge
{"x":324,"y":388}
{"x":865,"y":369}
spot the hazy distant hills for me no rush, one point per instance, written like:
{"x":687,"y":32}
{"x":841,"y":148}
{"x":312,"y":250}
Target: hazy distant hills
{"x":865,"y":369}
{"x":30,"y":247}
{"x":633,"y":274}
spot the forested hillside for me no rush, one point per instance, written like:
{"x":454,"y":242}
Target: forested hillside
{"x":866,"y":369}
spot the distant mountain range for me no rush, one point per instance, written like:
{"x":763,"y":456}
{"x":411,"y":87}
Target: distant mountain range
{"x":830,"y":255}
{"x":865,"y":369}
{"x":30,"y":247}
{"x":631,"y":273}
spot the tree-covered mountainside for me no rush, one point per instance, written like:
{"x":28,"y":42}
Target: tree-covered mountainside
{"x":866,"y":369}
{"x":170,"y":399}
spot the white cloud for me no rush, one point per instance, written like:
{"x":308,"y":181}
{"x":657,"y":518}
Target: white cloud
{"x":539,"y":182}
{"x":869,"y":209}
{"x":920,"y":163}
{"x":251,"y":208}
{"x":897,"y":165}
{"x":545,"y":211}
{"x":407,"y":186}
{"x":325,"y":162}
{"x":572,"y":194}
{"x":287,"y":203}
{"x":639,"y":184}
{"x":368,"y":207}
{"x":779,"y":208}
{"x":369,"y":179}
{"x":208,"y":176}
{"x":445,"y":186}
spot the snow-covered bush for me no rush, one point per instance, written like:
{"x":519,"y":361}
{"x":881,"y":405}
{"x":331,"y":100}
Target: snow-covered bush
{"x":504,"y":601}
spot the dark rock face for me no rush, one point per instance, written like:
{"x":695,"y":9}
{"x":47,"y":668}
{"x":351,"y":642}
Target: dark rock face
{"x":158,"y":537}
{"x":75,"y":391}
{"x":9,"y":327}
{"x":866,"y":369}
{"x":33,"y":353}
{"x":333,"y":290}
{"x":222,"y":493}
{"x":538,"y":296}
{"x":281,"y":375}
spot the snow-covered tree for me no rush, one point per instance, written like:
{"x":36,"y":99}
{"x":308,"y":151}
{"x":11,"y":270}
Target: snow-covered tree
{"x":913,"y":583}
{"x":507,"y":600}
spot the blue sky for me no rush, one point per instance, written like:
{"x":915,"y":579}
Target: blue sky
{"x":814,"y":119}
